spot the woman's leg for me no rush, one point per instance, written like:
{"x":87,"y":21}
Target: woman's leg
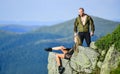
{"x":58,"y":48}
{"x":55,"y":48}
{"x":62,"y":48}
{"x":59,"y":63}
{"x":58,"y":59}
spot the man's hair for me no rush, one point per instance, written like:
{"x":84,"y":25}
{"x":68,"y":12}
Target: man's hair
{"x":81,"y":8}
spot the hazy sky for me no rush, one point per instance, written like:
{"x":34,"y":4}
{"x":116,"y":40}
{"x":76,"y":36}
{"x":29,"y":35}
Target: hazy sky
{"x":55,"y":10}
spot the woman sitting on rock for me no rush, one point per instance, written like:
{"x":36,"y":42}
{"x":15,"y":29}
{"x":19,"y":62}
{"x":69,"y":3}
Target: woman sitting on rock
{"x":67,"y":53}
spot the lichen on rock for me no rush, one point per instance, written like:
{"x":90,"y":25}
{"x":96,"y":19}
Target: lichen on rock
{"x":84,"y":62}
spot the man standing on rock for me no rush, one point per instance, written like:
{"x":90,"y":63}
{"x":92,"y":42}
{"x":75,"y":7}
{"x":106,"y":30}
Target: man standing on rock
{"x":84,"y":27}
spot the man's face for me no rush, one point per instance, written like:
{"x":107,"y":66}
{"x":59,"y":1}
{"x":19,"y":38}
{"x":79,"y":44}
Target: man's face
{"x":81,"y":12}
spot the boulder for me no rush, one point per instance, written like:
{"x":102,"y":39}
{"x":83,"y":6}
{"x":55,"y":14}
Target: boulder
{"x":111,"y":61}
{"x":82,"y":62}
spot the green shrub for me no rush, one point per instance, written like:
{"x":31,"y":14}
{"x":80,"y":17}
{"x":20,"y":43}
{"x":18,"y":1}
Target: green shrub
{"x":106,"y":41}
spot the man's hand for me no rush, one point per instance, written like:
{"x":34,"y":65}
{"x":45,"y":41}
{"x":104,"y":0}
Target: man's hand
{"x":91,"y":33}
{"x":75,"y":34}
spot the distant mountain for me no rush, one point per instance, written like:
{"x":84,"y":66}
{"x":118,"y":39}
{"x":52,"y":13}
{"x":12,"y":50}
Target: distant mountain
{"x":40,"y":23}
{"x":24,"y":26}
{"x":102,"y":27}
{"x":24,"y":53}
{"x":18,"y":28}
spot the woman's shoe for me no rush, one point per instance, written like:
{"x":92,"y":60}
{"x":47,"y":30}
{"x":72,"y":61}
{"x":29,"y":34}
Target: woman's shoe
{"x":48,"y":49}
{"x":61,"y":69}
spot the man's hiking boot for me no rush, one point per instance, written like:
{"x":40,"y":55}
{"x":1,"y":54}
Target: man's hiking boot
{"x":61,"y":69}
{"x":48,"y":49}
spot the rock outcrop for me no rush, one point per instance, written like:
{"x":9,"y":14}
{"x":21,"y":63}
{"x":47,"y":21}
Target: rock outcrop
{"x":82,"y":62}
{"x":111,"y":61}
{"x":86,"y":61}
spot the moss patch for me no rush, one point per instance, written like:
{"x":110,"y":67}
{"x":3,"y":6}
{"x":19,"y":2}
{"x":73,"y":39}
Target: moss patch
{"x":116,"y":71}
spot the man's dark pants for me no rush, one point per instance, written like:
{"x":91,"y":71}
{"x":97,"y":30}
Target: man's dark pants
{"x":86,"y":36}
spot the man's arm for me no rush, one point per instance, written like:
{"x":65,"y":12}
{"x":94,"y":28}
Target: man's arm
{"x":75,"y":27}
{"x":92,"y":26}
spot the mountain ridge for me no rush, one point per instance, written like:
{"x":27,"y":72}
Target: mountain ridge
{"x":24,"y":52}
{"x":67,"y":27}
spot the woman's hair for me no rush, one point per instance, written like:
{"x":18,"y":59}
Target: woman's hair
{"x":78,"y":42}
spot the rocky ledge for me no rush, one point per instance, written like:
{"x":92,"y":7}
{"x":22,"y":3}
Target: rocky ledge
{"x":86,"y":61}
